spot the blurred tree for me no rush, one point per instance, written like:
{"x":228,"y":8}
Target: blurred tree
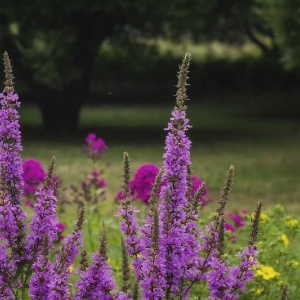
{"x":54,"y":45}
{"x":283,"y":16}
{"x":237,"y":21}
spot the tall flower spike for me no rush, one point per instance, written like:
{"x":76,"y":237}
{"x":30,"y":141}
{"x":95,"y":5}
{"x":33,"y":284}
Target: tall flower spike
{"x":83,"y":261}
{"x":181,"y":95}
{"x":12,"y":227}
{"x":103,"y":242}
{"x":125,"y":268}
{"x":9,"y":82}
{"x":42,"y":274}
{"x":5,"y":275}
{"x":135,"y":293}
{"x":189,"y":184}
{"x":149,"y":267}
{"x":64,"y":259}
{"x":225,"y":192}
{"x":255,"y":223}
{"x":221,"y":238}
{"x":49,"y":177}
{"x":44,"y":221}
{"x":284,"y":294}
{"x":198,"y":195}
{"x":97,"y":281}
{"x":11,"y":136}
{"x":126,"y":175}
{"x":129,"y":225}
{"x":155,"y":189}
{"x":178,"y":239}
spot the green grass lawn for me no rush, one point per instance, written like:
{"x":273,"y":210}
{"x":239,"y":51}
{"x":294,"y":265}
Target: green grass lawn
{"x":261,"y":139}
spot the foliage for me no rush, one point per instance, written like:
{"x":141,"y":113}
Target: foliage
{"x":284,"y":19}
{"x":278,"y":256}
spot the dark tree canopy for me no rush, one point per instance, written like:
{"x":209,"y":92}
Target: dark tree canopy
{"x":54,"y":44}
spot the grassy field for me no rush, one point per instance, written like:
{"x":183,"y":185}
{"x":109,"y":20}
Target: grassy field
{"x":261,"y":139}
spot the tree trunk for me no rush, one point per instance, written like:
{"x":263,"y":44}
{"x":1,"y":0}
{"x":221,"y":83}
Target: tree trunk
{"x":60,"y":108}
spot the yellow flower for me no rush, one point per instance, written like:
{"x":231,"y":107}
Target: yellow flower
{"x":71,"y":268}
{"x":292,"y":223}
{"x":294,"y":263}
{"x":263,"y":217}
{"x":259,"y":290}
{"x":285,"y":240}
{"x":267,"y":272}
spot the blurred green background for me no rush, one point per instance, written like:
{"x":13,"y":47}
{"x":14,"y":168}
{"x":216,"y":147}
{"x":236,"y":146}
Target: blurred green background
{"x":109,"y":67}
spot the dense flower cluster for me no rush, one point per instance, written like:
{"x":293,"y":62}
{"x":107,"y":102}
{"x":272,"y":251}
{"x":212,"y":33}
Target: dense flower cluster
{"x":267,"y":272}
{"x":94,"y":146}
{"x":169,"y":252}
{"x":12,"y":227}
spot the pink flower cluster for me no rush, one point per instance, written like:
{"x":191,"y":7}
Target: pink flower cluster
{"x":142,"y":183}
{"x":235,"y":222}
{"x":94,"y":180}
{"x":94,"y":146}
{"x":33,"y":175}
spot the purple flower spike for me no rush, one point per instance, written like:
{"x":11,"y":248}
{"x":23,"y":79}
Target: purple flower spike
{"x":97,"y":283}
{"x":178,"y":238}
{"x":39,"y":285}
{"x":12,"y":227}
{"x":10,"y":145}
{"x":64,"y":260}
{"x":44,"y":221}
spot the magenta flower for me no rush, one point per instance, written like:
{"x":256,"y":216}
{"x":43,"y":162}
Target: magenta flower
{"x":196,"y":183}
{"x":229,"y":227}
{"x":143,"y":181}
{"x":91,"y":137}
{"x":93,"y":179}
{"x":237,"y":220}
{"x":119,"y":196}
{"x":33,"y":175}
{"x":60,"y":227}
{"x":94,"y":147}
